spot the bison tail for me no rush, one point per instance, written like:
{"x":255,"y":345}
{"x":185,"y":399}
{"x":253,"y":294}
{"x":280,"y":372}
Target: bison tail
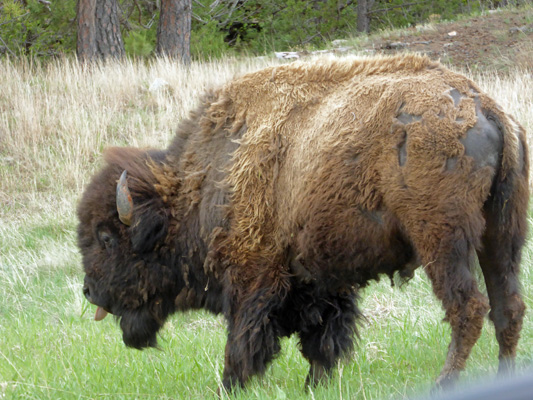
{"x":508,"y":202}
{"x":506,"y":212}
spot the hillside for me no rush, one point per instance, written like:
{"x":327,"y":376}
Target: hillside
{"x":499,"y":39}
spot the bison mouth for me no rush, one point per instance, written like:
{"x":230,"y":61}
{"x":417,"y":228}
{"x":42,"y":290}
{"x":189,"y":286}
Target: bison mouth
{"x":100,"y":314}
{"x":102,"y":306}
{"x":139,"y":326}
{"x":101,"y":311}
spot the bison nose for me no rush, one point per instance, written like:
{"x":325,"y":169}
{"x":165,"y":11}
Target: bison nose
{"x":87,"y":292}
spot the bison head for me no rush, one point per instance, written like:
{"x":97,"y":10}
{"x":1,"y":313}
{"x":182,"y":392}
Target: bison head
{"x":122,"y":232}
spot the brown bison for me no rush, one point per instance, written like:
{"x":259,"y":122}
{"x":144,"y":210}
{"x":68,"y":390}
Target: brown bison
{"x":290,"y":188}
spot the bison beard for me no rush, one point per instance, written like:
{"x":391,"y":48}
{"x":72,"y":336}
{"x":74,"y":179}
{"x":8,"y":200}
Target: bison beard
{"x":291,"y":188}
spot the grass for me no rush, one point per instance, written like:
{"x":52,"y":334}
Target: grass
{"x":55,"y":121}
{"x":52,"y":348}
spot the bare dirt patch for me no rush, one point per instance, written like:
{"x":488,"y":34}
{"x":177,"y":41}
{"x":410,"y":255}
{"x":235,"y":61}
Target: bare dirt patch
{"x":501,"y":39}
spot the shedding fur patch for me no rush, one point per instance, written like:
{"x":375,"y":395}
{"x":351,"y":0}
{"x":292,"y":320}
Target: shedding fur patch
{"x":301,"y":131}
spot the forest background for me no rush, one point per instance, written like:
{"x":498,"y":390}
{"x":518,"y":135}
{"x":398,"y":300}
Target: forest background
{"x":48,"y":29}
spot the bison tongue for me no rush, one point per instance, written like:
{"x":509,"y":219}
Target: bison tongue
{"x":100,"y":314}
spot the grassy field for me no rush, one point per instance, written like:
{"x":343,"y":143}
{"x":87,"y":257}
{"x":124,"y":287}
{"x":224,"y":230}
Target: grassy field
{"x":54,"y":123}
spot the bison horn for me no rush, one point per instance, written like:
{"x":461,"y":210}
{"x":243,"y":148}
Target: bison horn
{"x":124,"y":200}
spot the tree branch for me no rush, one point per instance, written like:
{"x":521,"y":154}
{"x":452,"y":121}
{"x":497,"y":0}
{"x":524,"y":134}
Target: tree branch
{"x":12,"y":19}
{"x":46,"y":4}
{"x":198,"y":3}
{"x":231,"y":10}
{"x":7,"y":47}
{"x":140,"y":16}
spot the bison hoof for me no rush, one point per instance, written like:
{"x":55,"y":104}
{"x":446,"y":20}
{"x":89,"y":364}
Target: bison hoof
{"x":446,"y":381}
{"x":230,"y":384}
{"x":506,"y":366}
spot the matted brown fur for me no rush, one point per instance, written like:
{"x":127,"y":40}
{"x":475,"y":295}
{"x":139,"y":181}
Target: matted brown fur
{"x":291,"y":187}
{"x":306,"y":122}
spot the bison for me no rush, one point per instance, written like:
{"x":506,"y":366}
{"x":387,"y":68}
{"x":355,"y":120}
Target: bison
{"x":289,"y":189}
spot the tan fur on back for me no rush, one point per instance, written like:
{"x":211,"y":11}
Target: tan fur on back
{"x":326,"y":135}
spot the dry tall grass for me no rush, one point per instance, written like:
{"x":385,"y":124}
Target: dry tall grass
{"x":55,"y":120}
{"x":514,"y":92}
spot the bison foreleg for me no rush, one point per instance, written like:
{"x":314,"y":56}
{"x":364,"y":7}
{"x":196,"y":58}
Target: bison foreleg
{"x":318,"y":372}
{"x":253,"y":338}
{"x":328,"y":326}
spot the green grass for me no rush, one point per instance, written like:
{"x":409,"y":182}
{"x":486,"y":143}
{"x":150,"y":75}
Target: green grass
{"x":51,"y":348}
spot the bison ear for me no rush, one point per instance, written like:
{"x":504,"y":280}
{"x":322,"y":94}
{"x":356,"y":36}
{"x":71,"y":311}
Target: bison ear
{"x":150,"y":226}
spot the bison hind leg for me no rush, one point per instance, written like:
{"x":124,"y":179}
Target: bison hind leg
{"x":327,"y":330}
{"x":500,"y":269}
{"x":455,"y":285}
{"x":499,"y":258}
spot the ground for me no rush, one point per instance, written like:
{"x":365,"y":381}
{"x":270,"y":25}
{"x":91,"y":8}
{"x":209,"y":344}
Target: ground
{"x":496,"y":40}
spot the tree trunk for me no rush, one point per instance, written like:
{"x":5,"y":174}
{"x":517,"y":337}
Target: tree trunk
{"x":108,"y":37}
{"x":98,"y":30}
{"x":363,"y":19}
{"x":86,"y":43}
{"x":174,"y":30}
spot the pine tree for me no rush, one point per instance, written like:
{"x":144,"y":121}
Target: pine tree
{"x":174,"y":30}
{"x":99,"y":34}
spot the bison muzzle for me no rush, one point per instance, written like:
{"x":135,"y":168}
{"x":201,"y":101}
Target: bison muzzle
{"x":291,"y":188}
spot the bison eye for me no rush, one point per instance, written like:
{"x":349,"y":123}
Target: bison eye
{"x":106,"y":240}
